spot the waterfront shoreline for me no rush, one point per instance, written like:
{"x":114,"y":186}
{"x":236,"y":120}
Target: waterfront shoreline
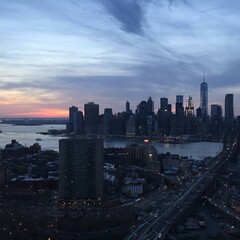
{"x":27,"y":135}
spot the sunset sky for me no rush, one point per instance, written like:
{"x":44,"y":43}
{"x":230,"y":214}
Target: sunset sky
{"x":59,"y":53}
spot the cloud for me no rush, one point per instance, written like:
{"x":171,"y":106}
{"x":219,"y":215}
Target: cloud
{"x":108,"y":51}
{"x":129,"y":13}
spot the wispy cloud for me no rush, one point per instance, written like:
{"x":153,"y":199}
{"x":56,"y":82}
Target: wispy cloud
{"x":109,"y":50}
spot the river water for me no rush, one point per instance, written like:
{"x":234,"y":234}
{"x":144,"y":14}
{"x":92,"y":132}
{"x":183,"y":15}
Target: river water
{"x":27,"y":135}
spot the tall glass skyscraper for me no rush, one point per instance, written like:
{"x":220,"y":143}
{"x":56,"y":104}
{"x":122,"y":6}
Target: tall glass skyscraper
{"x":204,"y":98}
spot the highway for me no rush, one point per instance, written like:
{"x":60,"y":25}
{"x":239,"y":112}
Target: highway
{"x":157,"y":227}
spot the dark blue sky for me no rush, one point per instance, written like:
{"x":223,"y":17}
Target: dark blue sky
{"x":58,"y":53}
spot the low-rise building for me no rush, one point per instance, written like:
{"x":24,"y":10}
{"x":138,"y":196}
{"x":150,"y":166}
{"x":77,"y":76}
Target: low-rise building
{"x":133,"y":187}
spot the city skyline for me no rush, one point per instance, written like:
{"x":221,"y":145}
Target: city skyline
{"x":53,"y":57}
{"x":122,"y":108}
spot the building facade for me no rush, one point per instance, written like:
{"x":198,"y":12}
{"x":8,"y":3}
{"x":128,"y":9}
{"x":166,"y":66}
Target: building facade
{"x":91,"y":112}
{"x":204,"y":98}
{"x":80,"y":168}
{"x":229,"y":113}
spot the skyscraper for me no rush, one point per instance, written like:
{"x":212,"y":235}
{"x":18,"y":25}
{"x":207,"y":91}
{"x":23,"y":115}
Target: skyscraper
{"x":142,"y":113}
{"x":216,"y":112}
{"x":216,"y":124}
{"x":80,"y":168}
{"x":229,"y":114}
{"x":91,"y":112}
{"x":75,"y":123}
{"x":164,"y":104}
{"x":72,"y":112}
{"x":131,"y":126}
{"x":204,"y":98}
{"x":179,"y":105}
{"x":107,"y":118}
{"x":190,"y":107}
{"x":179,"y":99}
{"x":78,"y":123}
{"x":177,"y":120}
{"x":163,"y":116}
{"x":150,"y":106}
{"x":127,"y":107}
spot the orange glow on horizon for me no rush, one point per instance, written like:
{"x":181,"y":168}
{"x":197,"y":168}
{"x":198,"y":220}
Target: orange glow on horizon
{"x":45,"y":113}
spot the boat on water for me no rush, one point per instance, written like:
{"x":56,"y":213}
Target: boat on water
{"x":38,"y":139}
